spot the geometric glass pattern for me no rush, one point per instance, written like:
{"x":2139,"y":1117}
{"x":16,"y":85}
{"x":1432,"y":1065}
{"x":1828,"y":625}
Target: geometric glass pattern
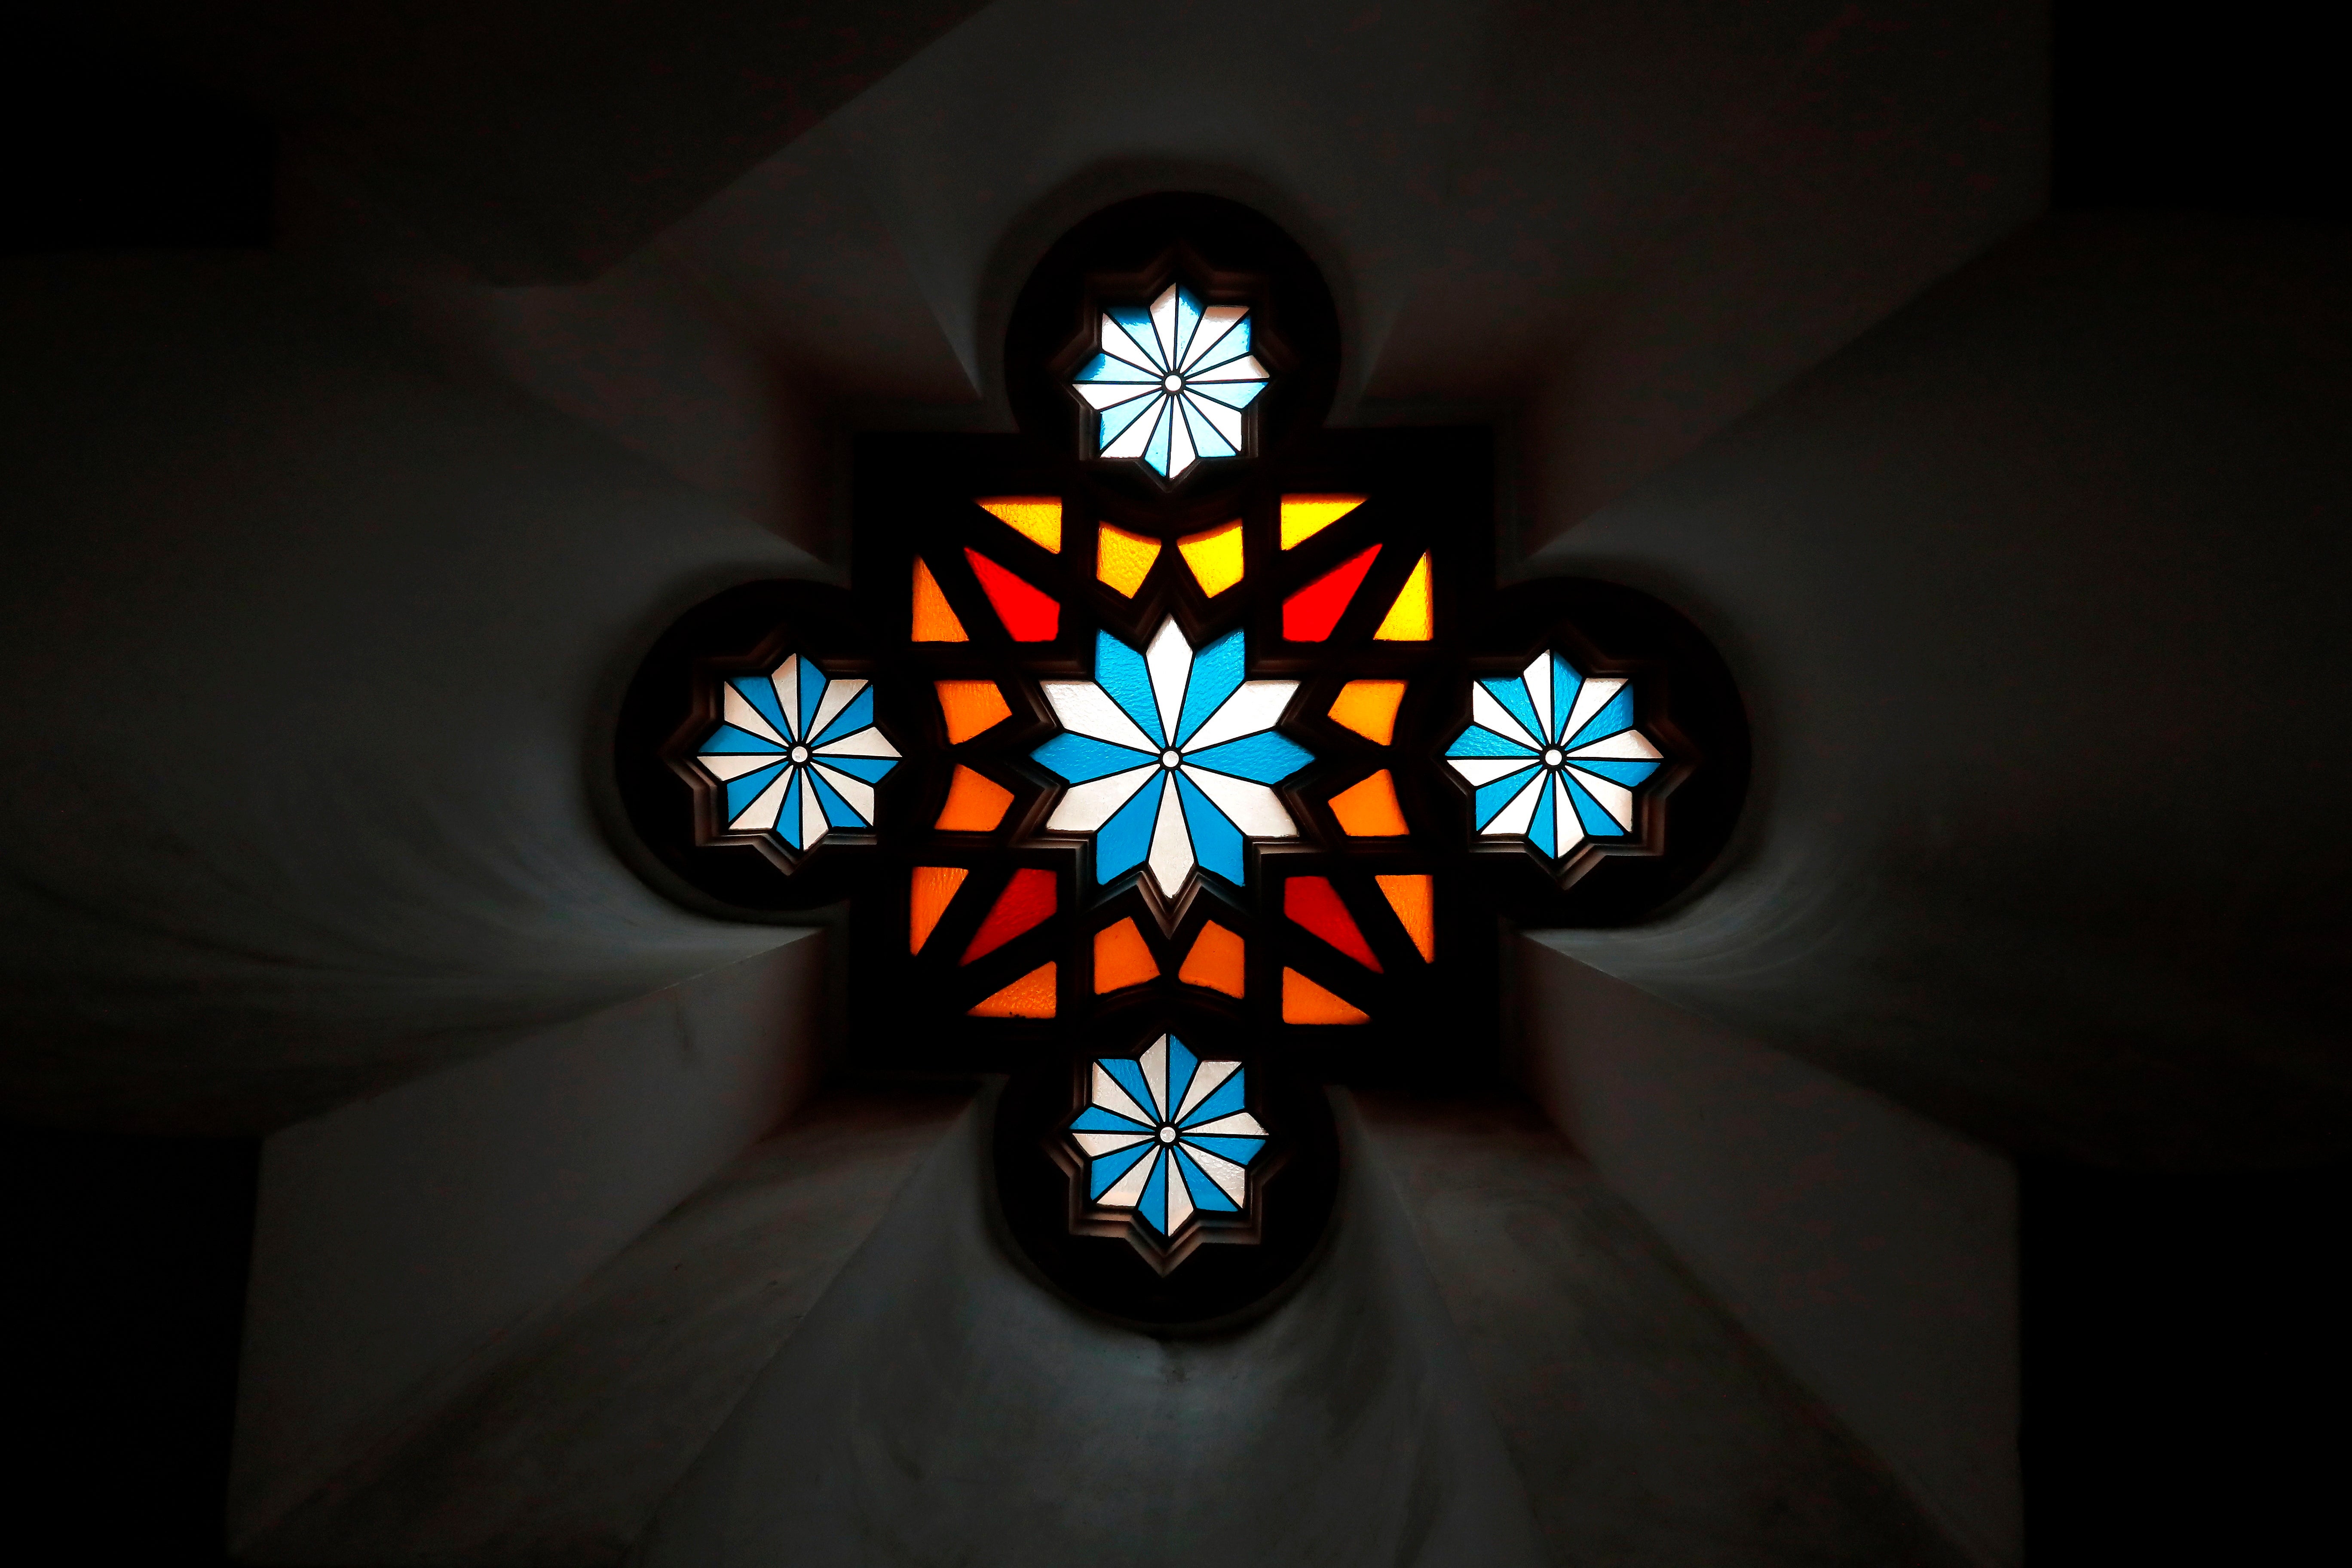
{"x":1168,"y":1136}
{"x":797,"y":754}
{"x":1170,"y":382}
{"x":1553,"y":757}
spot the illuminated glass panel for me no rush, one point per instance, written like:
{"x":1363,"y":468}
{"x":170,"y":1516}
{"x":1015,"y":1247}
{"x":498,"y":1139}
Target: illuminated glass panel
{"x":1310,"y":615}
{"x":1035,"y":517}
{"x":796,"y":754}
{"x":1215,"y":556}
{"x":1031,"y":996}
{"x":1304,"y":517}
{"x":1028,"y":615}
{"x":1369,"y":707}
{"x":1122,"y":958}
{"x":935,"y":619}
{"x":1170,"y":382}
{"x":1028,"y":902}
{"x":1369,"y":809}
{"x":1124,"y":560}
{"x":1413,"y":617}
{"x":931,"y":891}
{"x":1553,"y":757}
{"x":1168,"y":1136}
{"x":971,"y":708}
{"x":1304,"y":1002}
{"x":1415,"y":899}
{"x":976,"y":803}
{"x":1218,"y":962}
{"x":1315,"y":904}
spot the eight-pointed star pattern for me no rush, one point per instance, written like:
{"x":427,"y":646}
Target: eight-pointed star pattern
{"x":1553,"y":757}
{"x":1167,"y":1135}
{"x":797,"y":754}
{"x":1171,"y":381}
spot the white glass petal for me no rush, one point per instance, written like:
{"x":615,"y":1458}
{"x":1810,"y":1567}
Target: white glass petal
{"x":1240,"y":1124}
{"x":1215,"y":322}
{"x":735,"y":764}
{"x":1179,"y":1200}
{"x":865,"y":742}
{"x":1085,"y":709}
{"x":1514,"y":818}
{"x":838,"y":695}
{"x":786,"y":679}
{"x":1170,"y":659}
{"x":1626,"y":745}
{"x":1485,"y":770}
{"x":1206,"y":1079}
{"x":760,"y":816}
{"x":1138,"y":436}
{"x":1171,"y":857}
{"x":1180,"y":440}
{"x":813,"y":823}
{"x":1088,"y":806}
{"x":1119,"y":345}
{"x":1225,"y":421}
{"x":1097,"y":1143}
{"x":856,"y":791}
{"x":1255,"y":705}
{"x":1246,"y":368}
{"x":737,"y":709}
{"x":1232,"y":1180}
{"x":1486,"y":711}
{"x":1537,"y":678}
{"x":1567,"y":827}
{"x":1111,"y":393}
{"x":1111,"y":1097}
{"x":1589,"y":699}
{"x":1257,"y":810}
{"x":1154,"y":1063}
{"x":1128,"y":1191}
{"x":1163,"y":324}
{"x":1614,"y":798}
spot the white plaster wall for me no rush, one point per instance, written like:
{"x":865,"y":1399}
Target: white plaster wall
{"x":402,"y":1241}
{"x":1874,"y":1252}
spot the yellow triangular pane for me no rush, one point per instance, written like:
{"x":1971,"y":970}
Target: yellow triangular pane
{"x":1037,"y":516}
{"x":1369,"y":707}
{"x":1369,"y":810}
{"x":932,"y":890}
{"x":970,"y":707}
{"x":1215,"y":557}
{"x":1218,"y":962}
{"x":1031,"y":996}
{"x":1415,"y":899}
{"x":1304,"y":1002}
{"x":1304,"y":517}
{"x":1122,"y":958}
{"x":1124,"y":560}
{"x":1413,"y":618}
{"x":934,"y":621}
{"x":975,"y":803}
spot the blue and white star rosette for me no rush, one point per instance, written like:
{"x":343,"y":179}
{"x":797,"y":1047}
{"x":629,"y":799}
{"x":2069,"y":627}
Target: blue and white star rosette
{"x":1170,"y":756}
{"x":797,"y":754}
{"x":1553,"y":757}
{"x":1170,"y":382}
{"x":1167,"y":1135}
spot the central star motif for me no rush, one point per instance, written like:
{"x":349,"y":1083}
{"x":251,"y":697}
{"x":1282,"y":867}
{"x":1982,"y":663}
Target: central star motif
{"x":1170,"y":756}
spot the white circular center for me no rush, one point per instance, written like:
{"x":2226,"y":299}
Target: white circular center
{"x":1551,"y":757}
{"x":800,"y":753}
{"x":1167,"y":1135}
{"x":1169,"y":759}
{"x":1173,"y":382}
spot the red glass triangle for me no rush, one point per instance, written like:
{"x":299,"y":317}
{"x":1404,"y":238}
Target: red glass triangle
{"x":1314,"y":903}
{"x":1028,"y":900}
{"x":1028,"y":614}
{"x":1310,"y":615}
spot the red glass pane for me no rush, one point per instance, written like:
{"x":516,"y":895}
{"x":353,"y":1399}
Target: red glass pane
{"x":1310,"y":615}
{"x":1314,"y":903}
{"x":1028,"y":614}
{"x":1028,"y":900}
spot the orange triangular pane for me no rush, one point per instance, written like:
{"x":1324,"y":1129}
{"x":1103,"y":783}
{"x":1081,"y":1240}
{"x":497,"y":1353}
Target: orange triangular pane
{"x":1215,"y":557}
{"x":1031,"y":996}
{"x":932,"y":890}
{"x":1310,"y":615}
{"x":970,"y":707}
{"x":1369,"y":810}
{"x":1369,"y":707}
{"x":1030,"y":616}
{"x":934,"y":621}
{"x":1035,"y":517}
{"x":1218,"y":961}
{"x":1124,"y":560}
{"x":1122,"y":958}
{"x":1304,"y":1002}
{"x":1027,"y":903}
{"x":1304,"y":517}
{"x":1314,"y":903}
{"x":1415,"y":899}
{"x":975,"y":803}
{"x":1413,"y":617}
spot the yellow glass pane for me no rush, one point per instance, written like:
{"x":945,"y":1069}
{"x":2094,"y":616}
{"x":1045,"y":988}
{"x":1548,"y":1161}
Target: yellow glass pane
{"x":1413,"y":618}
{"x":1415,"y":899}
{"x":1031,"y":996}
{"x":1218,"y":962}
{"x":1215,"y":557}
{"x":1037,"y":516}
{"x":1122,"y":959}
{"x":934,"y":890}
{"x":1304,"y":517}
{"x":975,"y":803}
{"x":970,"y":706}
{"x":934,"y":620}
{"x":1124,"y":560}
{"x":1369,"y":810}
{"x":1304,"y":1002}
{"x":1369,"y":707}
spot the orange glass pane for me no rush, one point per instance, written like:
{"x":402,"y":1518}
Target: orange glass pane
{"x":1304,"y":517}
{"x":1124,"y":560}
{"x":1027,"y":903}
{"x":1369,"y":810}
{"x":932,"y":890}
{"x":1035,"y":517}
{"x":1304,"y":1002}
{"x":976,"y":803}
{"x":1413,"y":617}
{"x":970,"y":706}
{"x":1122,"y":958}
{"x":1031,"y":996}
{"x":1415,"y":899}
{"x":1314,"y":903}
{"x":1369,"y":707}
{"x":1218,"y":961}
{"x":934,"y":620}
{"x":1215,"y":557}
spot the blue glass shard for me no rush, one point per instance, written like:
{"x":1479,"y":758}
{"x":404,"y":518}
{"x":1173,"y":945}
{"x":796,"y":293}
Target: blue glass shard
{"x":1155,"y":451}
{"x":870,"y":769}
{"x":1130,"y":1078}
{"x":760,"y":693}
{"x":1240,"y":1151}
{"x":1615,"y":714}
{"x":1565,"y":684}
{"x":1232,"y":394}
{"x":813,"y":685}
{"x":838,"y":812}
{"x":1095,"y":1118}
{"x":1181,"y":1065}
{"x":1597,"y":822}
{"x":1118,"y":416}
{"x":1206,"y":1194}
{"x":1123,"y":841}
{"x":1188,"y":321}
{"x":1223,"y":1100}
{"x":741,"y":792}
{"x":788,"y":820}
{"x":728,"y":741}
{"x":1626,"y":770}
{"x":1102,"y":1173}
{"x":1102,"y":367}
{"x":1480,"y":742}
{"x":1541,"y":829}
{"x":1078,"y":758}
{"x":1216,"y":675}
{"x":1135,"y":321}
{"x":1217,"y":844}
{"x":1120,"y":671}
{"x":855,"y":716}
{"x":1154,"y":1207}
{"x":1265,"y":758}
{"x":1512,"y":695}
{"x":1224,"y":351}
{"x":1494,"y":797}
{"x":1207,"y":440}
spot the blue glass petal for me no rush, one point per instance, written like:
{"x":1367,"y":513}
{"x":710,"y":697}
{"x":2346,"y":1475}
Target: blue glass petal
{"x":1188,"y":321}
{"x":871,"y":769}
{"x":741,"y":792}
{"x":1540,"y":829}
{"x":1217,"y":844}
{"x":1216,"y":675}
{"x":1181,"y":1065}
{"x":1616,"y":714}
{"x":1206,"y":438}
{"x":813,"y":685}
{"x":788,"y":820}
{"x":1103,"y":1171}
{"x":1626,"y":770}
{"x":1095,"y":1118}
{"x":1102,"y":367}
{"x":1494,"y":797}
{"x":1126,"y":679}
{"x":1232,"y":346}
{"x":838,"y":812}
{"x":1135,"y":321}
{"x":1232,"y":394}
{"x":1512,"y":695}
{"x":1155,"y":451}
{"x":1078,"y":758}
{"x":855,"y":716}
{"x":1154,"y":1207}
{"x":1227,"y":1098}
{"x":1120,"y":416}
{"x":1206,"y":1194}
{"x":1121,"y":843}
{"x":1240,"y":1151}
{"x":1265,"y":757}
{"x":1480,"y":742}
{"x":728,"y":741}
{"x":1130,"y":1075}
{"x":760,"y":693}
{"x":1597,"y":822}
{"x":1565,"y":684}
